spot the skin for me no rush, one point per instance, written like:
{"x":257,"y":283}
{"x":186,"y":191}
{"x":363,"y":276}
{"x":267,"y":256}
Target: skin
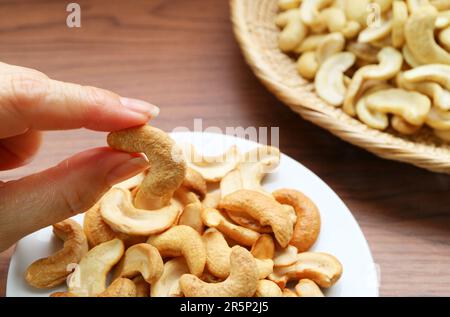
{"x":31,"y":102}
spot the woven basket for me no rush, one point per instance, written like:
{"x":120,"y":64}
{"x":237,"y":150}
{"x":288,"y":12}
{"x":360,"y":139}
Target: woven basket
{"x":255,"y":30}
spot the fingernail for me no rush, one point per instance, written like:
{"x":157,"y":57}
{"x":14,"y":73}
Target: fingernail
{"x":127,"y":170}
{"x":140,"y":106}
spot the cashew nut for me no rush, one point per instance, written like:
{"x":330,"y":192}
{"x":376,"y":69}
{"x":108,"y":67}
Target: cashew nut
{"x":434,"y":72}
{"x":251,"y":170}
{"x":440,"y":4}
{"x":141,"y":259}
{"x":53,"y":270}
{"x":409,"y":58}
{"x":217,"y":253}
{"x":121,"y":287}
{"x":211,"y":168}
{"x":288,"y":4}
{"x":351,"y":29}
{"x":357,"y":10}
{"x":307,"y":288}
{"x":375,"y":33}
{"x":293,"y":30}
{"x":374,"y":119}
{"x":213,"y":218}
{"x":440,"y":96}
{"x":417,"y":5}
{"x":167,"y":169}
{"x":241,"y":282}
{"x":399,"y":18}
{"x":185,"y":196}
{"x":264,"y":247}
{"x":322,"y":268}
{"x":132,"y":182}
{"x":334,"y":18}
{"x":218,"y":256}
{"x":182,"y":241}
{"x":266,"y":288}
{"x":384,"y":5}
{"x":288,"y":293}
{"x":244,"y":220}
{"x":118,"y":211}
{"x":309,"y":10}
{"x":285,"y":257}
{"x":439,"y":120}
{"x":444,"y":38}
{"x":332,"y":44}
{"x":307,"y":65}
{"x":364,"y":51}
{"x":168,"y":284}
{"x":419,"y":34}
{"x":192,"y":217}
{"x":212,"y":199}
{"x":89,"y":277}
{"x":401,"y":125}
{"x":142,"y":287}
{"x":329,"y":81}
{"x":310,"y":43}
{"x":195,"y":182}
{"x":411,"y":106}
{"x":390,"y":63}
{"x":264,"y":209}
{"x":307,"y":227}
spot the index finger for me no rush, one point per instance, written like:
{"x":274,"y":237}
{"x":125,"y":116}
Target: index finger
{"x":30,"y":101}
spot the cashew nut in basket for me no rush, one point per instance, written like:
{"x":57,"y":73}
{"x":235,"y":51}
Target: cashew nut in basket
{"x":168,"y":284}
{"x":266,"y":288}
{"x":401,"y":125}
{"x":89,"y":277}
{"x":399,"y":18}
{"x":390,"y":63}
{"x":182,"y":241}
{"x":322,"y":268}
{"x":288,"y":4}
{"x":121,"y":287}
{"x":211,"y":168}
{"x":310,"y":10}
{"x":433,"y":72}
{"x":307,"y":227}
{"x":264,"y":209}
{"x":214,"y":219}
{"x":419,"y":34}
{"x":53,"y":270}
{"x":439,"y":120}
{"x":329,"y":81}
{"x":307,"y":288}
{"x":141,"y":259}
{"x":293,"y":29}
{"x":411,"y":106}
{"x":167,"y":168}
{"x":439,"y":95}
{"x":241,"y":282}
{"x":118,"y":211}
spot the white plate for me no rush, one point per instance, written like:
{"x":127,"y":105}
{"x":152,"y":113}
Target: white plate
{"x":340,"y":234}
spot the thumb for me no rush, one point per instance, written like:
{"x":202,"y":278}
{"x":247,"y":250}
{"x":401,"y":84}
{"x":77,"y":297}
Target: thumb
{"x":63,"y":191}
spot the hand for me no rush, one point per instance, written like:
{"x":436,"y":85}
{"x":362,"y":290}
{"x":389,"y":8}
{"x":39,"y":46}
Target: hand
{"x":31,"y":102}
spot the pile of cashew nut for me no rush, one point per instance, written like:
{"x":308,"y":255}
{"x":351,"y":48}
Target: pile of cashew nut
{"x":191,"y":226}
{"x":385,"y":62}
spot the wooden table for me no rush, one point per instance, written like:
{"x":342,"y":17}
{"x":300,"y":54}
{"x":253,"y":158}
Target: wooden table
{"x":181,"y":55}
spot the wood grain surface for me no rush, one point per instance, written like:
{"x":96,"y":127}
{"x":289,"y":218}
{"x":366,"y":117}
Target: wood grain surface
{"x":181,"y":55}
